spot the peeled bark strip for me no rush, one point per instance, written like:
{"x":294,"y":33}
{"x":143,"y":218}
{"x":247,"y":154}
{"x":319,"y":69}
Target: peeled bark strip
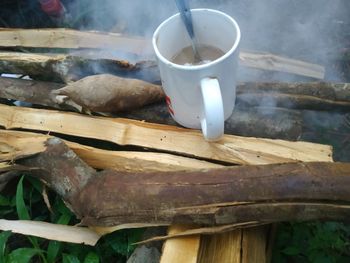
{"x":266,"y":193}
{"x":230,"y":149}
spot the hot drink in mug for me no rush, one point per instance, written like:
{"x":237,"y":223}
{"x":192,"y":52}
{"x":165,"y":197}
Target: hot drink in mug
{"x":200,"y":95}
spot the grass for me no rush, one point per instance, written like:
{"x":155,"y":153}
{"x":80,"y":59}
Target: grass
{"x":24,"y":200}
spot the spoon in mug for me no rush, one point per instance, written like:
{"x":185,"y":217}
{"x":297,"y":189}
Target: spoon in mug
{"x":186,"y":17}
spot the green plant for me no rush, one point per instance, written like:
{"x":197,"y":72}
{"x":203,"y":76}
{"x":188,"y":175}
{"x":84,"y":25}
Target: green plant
{"x":24,"y":201}
{"x":319,"y":242}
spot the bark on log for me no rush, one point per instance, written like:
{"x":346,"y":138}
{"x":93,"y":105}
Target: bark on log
{"x":66,"y":68}
{"x":267,"y":193}
{"x":312,"y":96}
{"x":68,"y":38}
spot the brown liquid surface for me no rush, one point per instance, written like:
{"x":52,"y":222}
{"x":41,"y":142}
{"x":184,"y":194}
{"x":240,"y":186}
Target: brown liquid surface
{"x":206,"y":53}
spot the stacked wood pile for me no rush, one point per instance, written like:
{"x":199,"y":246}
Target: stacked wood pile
{"x":98,"y":133}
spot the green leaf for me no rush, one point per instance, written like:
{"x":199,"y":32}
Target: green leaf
{"x":92,"y":257}
{"x":22,"y":255}
{"x":70,"y":259}
{"x":54,"y":246}
{"x":291,"y":251}
{"x":20,"y":205}
{"x":52,"y":250}
{"x":4,"y":201}
{"x":3,"y":239}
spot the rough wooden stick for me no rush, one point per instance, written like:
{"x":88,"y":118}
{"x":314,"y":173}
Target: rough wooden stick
{"x":230,"y":149}
{"x":69,"y":38}
{"x":211,"y":197}
{"x":16,"y":145}
{"x":254,"y":122}
{"x":267,"y":61}
{"x":66,"y":68}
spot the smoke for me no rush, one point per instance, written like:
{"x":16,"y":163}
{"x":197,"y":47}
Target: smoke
{"x":308,"y":30}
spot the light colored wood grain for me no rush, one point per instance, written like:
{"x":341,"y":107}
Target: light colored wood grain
{"x":69,"y":38}
{"x":231,"y":149}
{"x":184,"y":250}
{"x":73,"y":39}
{"x":267,"y":61}
{"x":72,"y":234}
{"x":254,"y":242}
{"x":225,"y":248}
{"x":17,"y":144}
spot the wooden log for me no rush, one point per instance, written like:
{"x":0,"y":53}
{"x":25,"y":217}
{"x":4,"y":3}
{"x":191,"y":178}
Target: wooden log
{"x":267,"y":61}
{"x":71,"y":39}
{"x":253,"y":122}
{"x":68,"y":38}
{"x":230,"y":149}
{"x":312,"y":96}
{"x":308,"y":96}
{"x":282,"y":192}
{"x":16,"y":145}
{"x":66,"y":68}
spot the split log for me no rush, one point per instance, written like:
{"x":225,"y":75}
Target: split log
{"x":267,"y":61}
{"x":66,"y":68}
{"x":265,"y":193}
{"x":68,"y":38}
{"x":17,"y":145}
{"x":230,"y":149}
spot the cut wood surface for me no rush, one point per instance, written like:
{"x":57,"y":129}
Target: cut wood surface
{"x":70,"y":38}
{"x":273,"y":62}
{"x":230,"y":149}
{"x":183,"y":249}
{"x":16,"y":144}
{"x":240,"y":194}
{"x":72,"y":234}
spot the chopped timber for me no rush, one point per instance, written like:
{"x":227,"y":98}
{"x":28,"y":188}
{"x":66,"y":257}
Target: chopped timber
{"x":72,"y":39}
{"x":16,"y":145}
{"x":267,"y":61}
{"x":230,"y":149}
{"x":209,"y":197}
{"x":183,"y":249}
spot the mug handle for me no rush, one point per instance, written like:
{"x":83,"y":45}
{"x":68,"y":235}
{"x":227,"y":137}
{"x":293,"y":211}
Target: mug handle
{"x":213,"y":120}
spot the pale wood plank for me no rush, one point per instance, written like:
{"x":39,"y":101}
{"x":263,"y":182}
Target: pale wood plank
{"x":231,"y":149}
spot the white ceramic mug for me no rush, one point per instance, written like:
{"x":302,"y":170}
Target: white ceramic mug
{"x":199,"y":96}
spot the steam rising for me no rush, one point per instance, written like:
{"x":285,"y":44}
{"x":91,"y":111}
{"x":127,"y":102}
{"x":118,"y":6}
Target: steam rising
{"x":302,"y":29}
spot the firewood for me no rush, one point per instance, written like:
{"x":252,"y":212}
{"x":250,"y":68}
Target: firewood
{"x":254,"y":122}
{"x":231,"y":149}
{"x":65,"y":68}
{"x":209,"y":197}
{"x":16,"y":145}
{"x":68,"y":38}
{"x":108,"y":93}
{"x":267,"y":61}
